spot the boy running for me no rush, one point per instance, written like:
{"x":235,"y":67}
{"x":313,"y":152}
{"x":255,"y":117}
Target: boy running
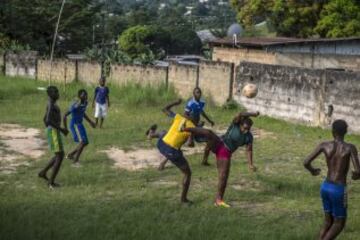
{"x":237,"y":135}
{"x":52,"y":121}
{"x":78,"y":131}
{"x":101,"y":101}
{"x":338,"y":154}
{"x":170,"y":143}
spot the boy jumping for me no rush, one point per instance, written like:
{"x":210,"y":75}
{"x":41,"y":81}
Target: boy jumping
{"x":52,"y":120}
{"x":338,"y":154}
{"x":78,"y":131}
{"x":170,"y":143}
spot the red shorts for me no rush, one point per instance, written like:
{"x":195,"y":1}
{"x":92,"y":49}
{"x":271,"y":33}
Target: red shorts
{"x":222,"y":152}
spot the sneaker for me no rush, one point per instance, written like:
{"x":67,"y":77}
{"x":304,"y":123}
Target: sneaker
{"x":221,"y":203}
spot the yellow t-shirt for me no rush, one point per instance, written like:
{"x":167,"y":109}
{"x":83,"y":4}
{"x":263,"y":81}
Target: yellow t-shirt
{"x":174,"y":137}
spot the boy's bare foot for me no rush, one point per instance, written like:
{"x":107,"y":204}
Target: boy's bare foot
{"x":70,"y":157}
{"x":151,"y":131}
{"x":76,"y":164}
{"x":205,"y":164}
{"x":187,"y":201}
{"x":54,"y":185}
{"x":252,"y":168}
{"x":43,"y":175}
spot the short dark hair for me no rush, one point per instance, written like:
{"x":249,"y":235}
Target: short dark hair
{"x":102,"y":78}
{"x":246,"y":120}
{"x":50,"y":90}
{"x":339,"y":127}
{"x":81,"y":91}
{"x":197,"y":88}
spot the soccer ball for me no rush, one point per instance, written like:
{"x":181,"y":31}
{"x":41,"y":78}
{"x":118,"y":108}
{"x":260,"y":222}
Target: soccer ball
{"x":250,"y":90}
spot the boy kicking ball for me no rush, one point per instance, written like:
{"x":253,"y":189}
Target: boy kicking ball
{"x":78,"y":131}
{"x":101,"y":101}
{"x":52,"y":120}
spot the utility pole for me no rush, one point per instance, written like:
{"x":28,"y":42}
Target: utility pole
{"x":103,"y":44}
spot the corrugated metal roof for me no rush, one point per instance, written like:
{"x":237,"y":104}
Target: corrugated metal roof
{"x":264,"y":42}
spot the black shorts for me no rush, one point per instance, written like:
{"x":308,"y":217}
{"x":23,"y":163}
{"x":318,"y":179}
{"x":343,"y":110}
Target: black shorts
{"x":174,"y":155}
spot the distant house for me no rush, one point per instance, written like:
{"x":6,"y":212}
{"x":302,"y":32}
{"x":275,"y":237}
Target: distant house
{"x":337,"y":53}
{"x":206,"y":36}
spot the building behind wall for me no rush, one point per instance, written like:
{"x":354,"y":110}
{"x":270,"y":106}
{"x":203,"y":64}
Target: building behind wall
{"x":338,"y":53}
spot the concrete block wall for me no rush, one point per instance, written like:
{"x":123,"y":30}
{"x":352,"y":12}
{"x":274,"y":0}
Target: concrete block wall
{"x":283,"y":92}
{"x":342,"y":91}
{"x":215,"y":80}
{"x":236,"y":56}
{"x":184,"y":78}
{"x":121,"y":74}
{"x":301,"y":94}
{"x":88,"y":72}
{"x":62,"y":71}
{"x":21,"y":64}
{"x":317,"y":61}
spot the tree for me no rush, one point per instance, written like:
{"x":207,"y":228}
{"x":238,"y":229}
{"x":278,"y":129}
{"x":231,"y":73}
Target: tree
{"x":340,"y":18}
{"x":33,"y":23}
{"x":295,"y":18}
{"x":139,"y":40}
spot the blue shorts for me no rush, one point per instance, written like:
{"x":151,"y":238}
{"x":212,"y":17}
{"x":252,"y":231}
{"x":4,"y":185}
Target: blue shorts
{"x":334,"y":199}
{"x":174,"y":155}
{"x":78,"y":129}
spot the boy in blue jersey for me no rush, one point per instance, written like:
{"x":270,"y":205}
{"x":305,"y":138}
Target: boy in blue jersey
{"x":195,"y":108}
{"x":338,"y":154}
{"x":101,"y":101}
{"x":78,"y":131}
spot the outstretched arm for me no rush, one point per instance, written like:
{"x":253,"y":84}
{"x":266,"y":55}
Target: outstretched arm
{"x":240,"y":115}
{"x":89,"y":120}
{"x":167,"y":109}
{"x":249,"y":151}
{"x":207,"y":118}
{"x":356,"y":163}
{"x":307,"y":162}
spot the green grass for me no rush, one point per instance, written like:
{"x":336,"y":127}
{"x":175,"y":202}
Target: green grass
{"x":96,"y":201}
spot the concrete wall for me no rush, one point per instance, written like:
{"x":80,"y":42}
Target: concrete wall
{"x":184,"y":78}
{"x":301,"y":94}
{"x":343,"y":93}
{"x":145,"y":75}
{"x":215,"y":80}
{"x":62,"y":71}
{"x":321,"y":61}
{"x":236,"y":56}
{"x":88,"y":72}
{"x":21,"y":64}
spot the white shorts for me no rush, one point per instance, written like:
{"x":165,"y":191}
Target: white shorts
{"x":100,"y":110}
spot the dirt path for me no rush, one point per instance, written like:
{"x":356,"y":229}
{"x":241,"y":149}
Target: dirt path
{"x":138,"y":159}
{"x":17,"y":146}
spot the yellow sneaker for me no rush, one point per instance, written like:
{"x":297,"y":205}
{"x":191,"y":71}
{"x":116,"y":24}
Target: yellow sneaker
{"x":221,"y":204}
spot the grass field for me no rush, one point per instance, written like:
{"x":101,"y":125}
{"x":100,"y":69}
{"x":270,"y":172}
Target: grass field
{"x":280,"y":201}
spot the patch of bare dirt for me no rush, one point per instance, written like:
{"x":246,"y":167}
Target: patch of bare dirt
{"x":137,"y":158}
{"x":246,"y":185}
{"x":17,"y":145}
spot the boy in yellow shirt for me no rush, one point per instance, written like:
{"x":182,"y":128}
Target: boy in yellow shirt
{"x":171,"y":141}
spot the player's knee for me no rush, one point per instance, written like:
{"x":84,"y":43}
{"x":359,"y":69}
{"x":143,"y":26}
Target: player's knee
{"x":61,"y":155}
{"x":85,"y":143}
{"x":340,"y":222}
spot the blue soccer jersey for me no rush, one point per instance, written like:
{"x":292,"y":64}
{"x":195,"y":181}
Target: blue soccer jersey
{"x":195,"y":108}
